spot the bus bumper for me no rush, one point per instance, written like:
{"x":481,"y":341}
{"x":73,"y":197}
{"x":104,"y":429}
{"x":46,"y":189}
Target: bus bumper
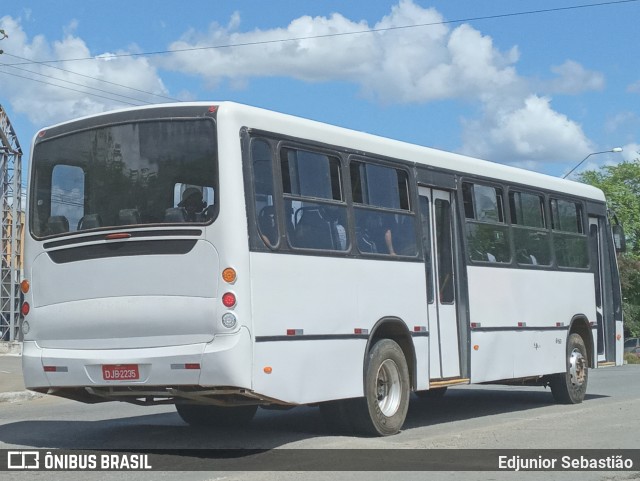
{"x":226,"y":361}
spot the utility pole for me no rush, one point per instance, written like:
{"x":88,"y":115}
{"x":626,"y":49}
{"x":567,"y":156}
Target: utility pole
{"x":12,"y":226}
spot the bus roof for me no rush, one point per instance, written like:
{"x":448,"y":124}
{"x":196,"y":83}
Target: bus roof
{"x":267,"y":120}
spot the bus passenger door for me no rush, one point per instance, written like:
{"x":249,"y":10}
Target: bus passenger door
{"x":595,"y":237}
{"x":437,"y":238}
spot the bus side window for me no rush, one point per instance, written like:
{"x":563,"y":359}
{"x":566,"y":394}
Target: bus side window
{"x":266,"y":219}
{"x":487,"y":232}
{"x":530,"y":232}
{"x":569,"y":239}
{"x":314,"y":203}
{"x":385,"y":223}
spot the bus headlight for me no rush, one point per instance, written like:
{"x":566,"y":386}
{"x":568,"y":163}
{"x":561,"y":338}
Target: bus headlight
{"x":229,"y":320}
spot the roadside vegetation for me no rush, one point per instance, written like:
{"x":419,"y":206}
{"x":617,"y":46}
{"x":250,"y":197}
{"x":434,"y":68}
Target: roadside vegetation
{"x":621,"y":185}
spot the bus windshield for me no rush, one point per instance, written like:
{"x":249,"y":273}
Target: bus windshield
{"x":150,"y":172}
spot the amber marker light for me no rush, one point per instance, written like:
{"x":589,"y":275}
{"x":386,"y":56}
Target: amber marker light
{"x":476,"y":347}
{"x":24,"y":286}
{"x":118,"y":235}
{"x":229,"y":275}
{"x":268,"y":370}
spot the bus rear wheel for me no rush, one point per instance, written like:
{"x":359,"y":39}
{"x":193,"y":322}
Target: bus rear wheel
{"x":570,"y":387}
{"x":208,"y":415}
{"x":383,"y":409}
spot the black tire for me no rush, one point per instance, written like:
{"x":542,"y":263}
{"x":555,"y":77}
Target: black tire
{"x":383,"y":409}
{"x":570,"y":387}
{"x":209,"y":415}
{"x":434,"y":393}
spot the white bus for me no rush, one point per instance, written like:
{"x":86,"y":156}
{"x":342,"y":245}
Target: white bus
{"x":221,"y":257}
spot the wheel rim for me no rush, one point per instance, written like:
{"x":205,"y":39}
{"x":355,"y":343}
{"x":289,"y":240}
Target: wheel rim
{"x":577,"y":368}
{"x":388,"y":388}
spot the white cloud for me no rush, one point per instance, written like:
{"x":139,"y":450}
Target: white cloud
{"x":391,"y":65}
{"x":405,"y":65}
{"x":396,"y":66}
{"x":631,"y":151}
{"x":573,"y":78}
{"x":532,"y":132}
{"x":620,"y":120}
{"x":44,"y":103}
{"x":634,"y":87}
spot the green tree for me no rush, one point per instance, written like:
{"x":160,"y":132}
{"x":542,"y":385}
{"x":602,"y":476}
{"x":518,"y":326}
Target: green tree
{"x":621,"y":185}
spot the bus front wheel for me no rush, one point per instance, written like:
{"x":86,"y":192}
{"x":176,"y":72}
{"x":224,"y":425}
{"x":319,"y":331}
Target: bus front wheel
{"x":570,"y":387}
{"x":384,"y":407}
{"x":208,"y":415}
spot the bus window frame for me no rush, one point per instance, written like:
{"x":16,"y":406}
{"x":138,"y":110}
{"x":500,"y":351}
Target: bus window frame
{"x":345,"y":156}
{"x":547,"y":195}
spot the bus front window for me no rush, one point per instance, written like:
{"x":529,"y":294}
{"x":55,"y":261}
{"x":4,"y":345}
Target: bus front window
{"x":124,"y":175}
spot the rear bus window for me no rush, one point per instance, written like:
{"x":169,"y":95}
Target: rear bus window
{"x":264,"y":192}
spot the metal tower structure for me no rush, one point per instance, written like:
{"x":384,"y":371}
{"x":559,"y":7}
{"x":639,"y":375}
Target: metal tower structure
{"x":12,"y":226}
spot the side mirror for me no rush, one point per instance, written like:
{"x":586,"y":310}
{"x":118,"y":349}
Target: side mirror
{"x":618,"y":238}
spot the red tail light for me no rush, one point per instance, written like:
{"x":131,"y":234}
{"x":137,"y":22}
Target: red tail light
{"x":229,"y":299}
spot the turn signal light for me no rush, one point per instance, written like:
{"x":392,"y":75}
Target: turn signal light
{"x":24,"y":286}
{"x":229,"y":275}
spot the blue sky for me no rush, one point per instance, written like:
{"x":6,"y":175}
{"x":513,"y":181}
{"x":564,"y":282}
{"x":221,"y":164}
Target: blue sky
{"x":539,"y":91}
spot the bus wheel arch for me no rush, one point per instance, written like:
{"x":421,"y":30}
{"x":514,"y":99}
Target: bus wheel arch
{"x":581,"y":326}
{"x":388,"y":369}
{"x":395,"y":329}
{"x":570,"y":387}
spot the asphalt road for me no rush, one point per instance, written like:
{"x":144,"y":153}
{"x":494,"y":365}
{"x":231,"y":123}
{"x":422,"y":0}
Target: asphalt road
{"x":485,"y":417}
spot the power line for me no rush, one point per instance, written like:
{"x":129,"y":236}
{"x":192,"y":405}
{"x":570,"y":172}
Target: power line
{"x":44,"y":64}
{"x":341,"y":34}
{"x":67,"y":88}
{"x":72,"y":83}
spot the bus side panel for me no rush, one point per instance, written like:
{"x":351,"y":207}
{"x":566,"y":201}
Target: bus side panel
{"x":537,"y":298}
{"x":421,"y":347}
{"x":328,"y":298}
{"x":619,"y":343}
{"x":501,"y":355}
{"x":507,"y":305}
{"x":309,"y":371}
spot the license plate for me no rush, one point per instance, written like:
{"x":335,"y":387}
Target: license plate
{"x":120,"y":372}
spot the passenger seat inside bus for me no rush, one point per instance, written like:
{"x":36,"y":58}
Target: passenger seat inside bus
{"x":175,"y":214}
{"x":128,"y":217}
{"x":312,"y":230}
{"x":58,"y":224}
{"x":90,"y":221}
{"x":267,"y":225}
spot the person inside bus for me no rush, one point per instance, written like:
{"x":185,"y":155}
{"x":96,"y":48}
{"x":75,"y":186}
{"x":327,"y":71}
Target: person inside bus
{"x":399,"y":235}
{"x":388,"y":226}
{"x":267,"y":225}
{"x":192,"y":205}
